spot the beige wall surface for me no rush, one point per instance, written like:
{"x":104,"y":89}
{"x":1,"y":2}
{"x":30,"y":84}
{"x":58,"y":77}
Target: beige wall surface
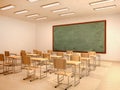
{"x":16,"y":35}
{"x":44,"y":34}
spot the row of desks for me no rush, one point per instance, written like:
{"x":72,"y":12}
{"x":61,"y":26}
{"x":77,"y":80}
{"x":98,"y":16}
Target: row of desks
{"x":39,"y":59}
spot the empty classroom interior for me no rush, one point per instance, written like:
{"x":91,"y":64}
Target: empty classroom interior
{"x":32,"y":30}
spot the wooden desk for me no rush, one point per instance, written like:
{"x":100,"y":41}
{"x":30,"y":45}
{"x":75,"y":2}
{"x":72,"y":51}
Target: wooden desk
{"x":33,"y":55}
{"x":75,"y":64}
{"x":68,"y":55}
{"x":13,"y":60}
{"x":93,"y":60}
{"x":41,"y":60}
{"x":87,"y":61}
{"x":55,"y":56}
{"x":14,"y":57}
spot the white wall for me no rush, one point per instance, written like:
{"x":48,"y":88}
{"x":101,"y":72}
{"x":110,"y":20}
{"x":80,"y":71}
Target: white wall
{"x":44,"y":34}
{"x":16,"y":35}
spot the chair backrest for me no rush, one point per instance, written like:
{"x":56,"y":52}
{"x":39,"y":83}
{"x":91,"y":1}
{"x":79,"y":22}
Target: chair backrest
{"x":39,"y":53}
{"x":26,"y":60}
{"x":84,"y":54}
{"x":60,"y":54}
{"x":77,"y":53}
{"x":69,"y":52}
{"x":59,"y":63}
{"x":35,"y":51}
{"x":75,"y":57}
{"x":92,"y":53}
{"x":50,"y":51}
{"x":46,"y":55}
{"x":22,"y":52}
{"x":7,"y":53}
{"x":1,"y":57}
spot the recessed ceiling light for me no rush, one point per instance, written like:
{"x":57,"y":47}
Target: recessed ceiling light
{"x":7,"y":7}
{"x":41,"y":18}
{"x":105,"y":7}
{"x":66,"y":14}
{"x":21,"y":12}
{"x":32,"y":15}
{"x":32,"y":0}
{"x":50,"y":5}
{"x":100,"y":1}
{"x":60,"y":10}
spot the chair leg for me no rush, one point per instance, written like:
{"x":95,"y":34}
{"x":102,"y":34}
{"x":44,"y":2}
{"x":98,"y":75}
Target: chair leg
{"x":59,"y":80}
{"x":58,"y":83}
{"x":3,"y":68}
{"x":68,"y":84}
{"x":34,"y":77}
{"x":26,"y":77}
{"x":30,"y":76}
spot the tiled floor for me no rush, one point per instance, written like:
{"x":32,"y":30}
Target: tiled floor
{"x":105,"y":77}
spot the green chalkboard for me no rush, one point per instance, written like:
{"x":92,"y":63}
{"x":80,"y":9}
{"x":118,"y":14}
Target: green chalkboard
{"x":81,"y":37}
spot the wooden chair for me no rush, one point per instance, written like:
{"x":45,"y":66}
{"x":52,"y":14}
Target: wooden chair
{"x":50,"y":52}
{"x":8,"y":64}
{"x":60,"y":66}
{"x":92,"y":55}
{"x":7,"y":53}
{"x":69,"y":52}
{"x":2,"y":62}
{"x":40,"y":53}
{"x":50,"y":62}
{"x":22,"y":53}
{"x":31,"y":70}
{"x":75,"y":57}
{"x":60,"y":53}
{"x":35,"y":51}
{"x":85,"y":59}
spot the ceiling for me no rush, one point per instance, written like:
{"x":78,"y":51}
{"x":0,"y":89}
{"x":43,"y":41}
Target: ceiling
{"x":79,"y":7}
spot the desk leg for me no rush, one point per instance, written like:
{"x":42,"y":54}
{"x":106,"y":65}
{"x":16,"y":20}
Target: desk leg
{"x":80,"y":73}
{"x":46,"y":68}
{"x":76,"y":82}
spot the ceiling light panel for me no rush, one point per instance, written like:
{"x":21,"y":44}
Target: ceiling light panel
{"x":32,"y":0}
{"x":41,"y":18}
{"x":32,"y":15}
{"x":50,"y":5}
{"x":7,"y":7}
{"x":66,"y":14}
{"x":105,"y":7}
{"x":100,"y":2}
{"x":21,"y":12}
{"x":60,"y":10}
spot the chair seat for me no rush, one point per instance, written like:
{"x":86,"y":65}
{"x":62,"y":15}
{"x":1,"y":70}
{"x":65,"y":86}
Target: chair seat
{"x":8,"y":64}
{"x":49,"y":63}
{"x":63,"y":73}
{"x":30,"y":68}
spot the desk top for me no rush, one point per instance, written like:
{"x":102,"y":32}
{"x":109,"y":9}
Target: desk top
{"x":73,"y":62}
{"x":67,"y":54}
{"x":14,"y":57}
{"x":39,"y":59}
{"x":92,"y":55}
{"x":85,"y":58}
{"x":32,"y":54}
{"x":55,"y":56}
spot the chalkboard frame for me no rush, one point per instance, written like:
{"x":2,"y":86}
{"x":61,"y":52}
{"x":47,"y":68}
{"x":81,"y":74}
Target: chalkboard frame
{"x":80,"y":24}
